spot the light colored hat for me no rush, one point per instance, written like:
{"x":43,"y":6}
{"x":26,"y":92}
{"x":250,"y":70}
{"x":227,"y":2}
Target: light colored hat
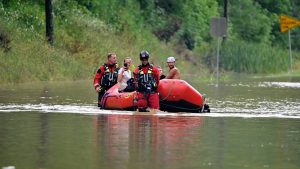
{"x":171,"y":59}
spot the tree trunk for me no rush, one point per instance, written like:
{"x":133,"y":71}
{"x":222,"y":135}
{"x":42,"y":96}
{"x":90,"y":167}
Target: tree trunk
{"x":49,"y":21}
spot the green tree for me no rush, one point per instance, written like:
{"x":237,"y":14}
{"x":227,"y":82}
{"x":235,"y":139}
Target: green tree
{"x":196,"y":16}
{"x":250,"y":22}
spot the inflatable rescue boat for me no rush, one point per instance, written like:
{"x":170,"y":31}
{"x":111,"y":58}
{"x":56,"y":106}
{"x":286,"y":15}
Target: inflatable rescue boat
{"x":179,"y":96}
{"x":115,"y":100}
{"x":175,"y":96}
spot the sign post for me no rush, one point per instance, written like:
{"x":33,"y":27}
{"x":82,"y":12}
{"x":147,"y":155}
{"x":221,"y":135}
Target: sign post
{"x":218,"y":29}
{"x":287,"y":23}
{"x":290,"y":52}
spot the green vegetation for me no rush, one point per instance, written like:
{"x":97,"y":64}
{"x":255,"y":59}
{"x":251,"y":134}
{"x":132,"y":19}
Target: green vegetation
{"x":245,"y":57}
{"x":81,"y":44}
{"x":86,"y":30}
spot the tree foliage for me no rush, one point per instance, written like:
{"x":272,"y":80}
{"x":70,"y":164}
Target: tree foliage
{"x":187,"y":21}
{"x":178,"y":23}
{"x":250,"y":21}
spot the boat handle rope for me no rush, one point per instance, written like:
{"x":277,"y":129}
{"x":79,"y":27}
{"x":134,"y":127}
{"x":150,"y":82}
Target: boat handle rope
{"x":105,"y":99}
{"x":171,"y":88}
{"x":105,"y":96}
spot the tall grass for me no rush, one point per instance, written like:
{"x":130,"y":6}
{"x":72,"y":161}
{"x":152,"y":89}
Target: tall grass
{"x":82,"y":41}
{"x":81,"y":45}
{"x":36,"y":61}
{"x":240,"y":56}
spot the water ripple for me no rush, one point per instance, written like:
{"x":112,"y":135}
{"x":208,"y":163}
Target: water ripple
{"x":267,"y":84}
{"x":280,"y":84}
{"x":262,"y":111}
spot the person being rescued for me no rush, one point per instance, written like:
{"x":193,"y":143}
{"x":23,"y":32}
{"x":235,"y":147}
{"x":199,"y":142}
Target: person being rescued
{"x":106,"y":76}
{"x":147,"y":79}
{"x":162,"y":76}
{"x":174,"y":73}
{"x":125,"y":79}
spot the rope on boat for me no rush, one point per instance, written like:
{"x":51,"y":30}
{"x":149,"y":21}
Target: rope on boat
{"x":170,"y":90}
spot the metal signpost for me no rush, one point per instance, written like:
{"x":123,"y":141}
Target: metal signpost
{"x":287,"y":23}
{"x":218,"y":29}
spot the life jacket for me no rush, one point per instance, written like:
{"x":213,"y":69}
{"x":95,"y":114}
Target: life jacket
{"x":109,"y":78}
{"x":146,"y":82}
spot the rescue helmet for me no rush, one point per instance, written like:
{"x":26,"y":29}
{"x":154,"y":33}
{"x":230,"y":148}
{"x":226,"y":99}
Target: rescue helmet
{"x":144,"y":54}
{"x":171,"y":59}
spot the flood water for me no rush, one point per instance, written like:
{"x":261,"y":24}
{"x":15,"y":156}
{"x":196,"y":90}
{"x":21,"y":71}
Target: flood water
{"x":254,"y":123}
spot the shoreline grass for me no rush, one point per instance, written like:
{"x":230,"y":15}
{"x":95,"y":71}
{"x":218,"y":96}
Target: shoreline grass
{"x":82,"y":42}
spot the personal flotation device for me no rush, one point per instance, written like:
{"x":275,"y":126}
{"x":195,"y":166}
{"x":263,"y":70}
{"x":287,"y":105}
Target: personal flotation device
{"x":109,"y":78}
{"x":146,"y":81}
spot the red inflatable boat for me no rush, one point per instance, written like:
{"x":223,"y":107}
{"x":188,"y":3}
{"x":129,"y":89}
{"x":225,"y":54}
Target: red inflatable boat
{"x":114,"y":100}
{"x":175,"y":96}
{"x":178,"y":96}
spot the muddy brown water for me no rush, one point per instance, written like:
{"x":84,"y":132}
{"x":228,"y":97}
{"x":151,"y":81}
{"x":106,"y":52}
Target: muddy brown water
{"x":254,"y":123}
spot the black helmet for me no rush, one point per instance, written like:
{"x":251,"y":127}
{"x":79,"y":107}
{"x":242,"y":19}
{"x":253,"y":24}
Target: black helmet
{"x":144,"y":54}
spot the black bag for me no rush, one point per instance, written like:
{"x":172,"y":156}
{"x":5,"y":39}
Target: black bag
{"x":130,"y":86}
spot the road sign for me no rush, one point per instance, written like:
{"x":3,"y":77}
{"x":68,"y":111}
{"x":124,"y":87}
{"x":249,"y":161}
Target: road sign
{"x":218,"y":27}
{"x":287,"y":23}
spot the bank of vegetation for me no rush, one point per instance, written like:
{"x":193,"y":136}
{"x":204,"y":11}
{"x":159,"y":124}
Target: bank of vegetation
{"x":86,"y":30}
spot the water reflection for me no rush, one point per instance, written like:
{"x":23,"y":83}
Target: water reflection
{"x":60,"y":141}
{"x":145,"y":140}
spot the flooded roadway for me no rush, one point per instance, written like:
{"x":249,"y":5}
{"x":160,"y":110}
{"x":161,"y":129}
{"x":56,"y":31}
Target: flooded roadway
{"x":254,"y":123}
{"x":257,"y":98}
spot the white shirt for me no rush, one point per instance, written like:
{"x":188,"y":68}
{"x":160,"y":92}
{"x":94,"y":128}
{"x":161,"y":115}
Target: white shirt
{"x":125,"y":78}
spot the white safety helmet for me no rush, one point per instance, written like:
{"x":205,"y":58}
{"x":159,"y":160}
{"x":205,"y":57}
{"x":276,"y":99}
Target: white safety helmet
{"x":171,"y":59}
